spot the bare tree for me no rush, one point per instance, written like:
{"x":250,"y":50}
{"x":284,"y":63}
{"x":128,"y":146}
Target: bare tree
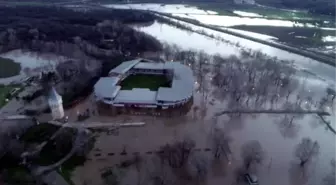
{"x":288,"y":126}
{"x":306,"y":150}
{"x":177,"y":154}
{"x":330,"y":178}
{"x":220,"y":144}
{"x":252,"y":152}
{"x":142,"y":171}
{"x":160,"y":173}
{"x":331,"y":92}
{"x":198,"y":168}
{"x":110,"y":176}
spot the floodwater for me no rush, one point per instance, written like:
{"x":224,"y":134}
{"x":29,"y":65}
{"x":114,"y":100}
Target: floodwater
{"x":329,"y":39}
{"x":212,"y":17}
{"x":169,"y":8}
{"x":31,"y":63}
{"x":279,"y":150}
{"x":247,"y":14}
{"x":279,"y":167}
{"x":253,"y":34}
{"x":189,"y":40}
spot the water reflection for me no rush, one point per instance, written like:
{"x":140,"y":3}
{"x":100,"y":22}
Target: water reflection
{"x":182,"y":38}
{"x":31,"y":63}
{"x":288,"y":125}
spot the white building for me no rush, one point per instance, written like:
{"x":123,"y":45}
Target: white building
{"x":56,"y":104}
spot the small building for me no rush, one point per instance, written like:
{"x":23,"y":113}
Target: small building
{"x":56,"y":104}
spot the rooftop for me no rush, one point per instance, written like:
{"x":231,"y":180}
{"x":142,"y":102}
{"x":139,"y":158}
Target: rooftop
{"x":106,"y":87}
{"x":149,"y":65}
{"x":125,"y":66}
{"x":136,"y":95}
{"x":182,"y":84}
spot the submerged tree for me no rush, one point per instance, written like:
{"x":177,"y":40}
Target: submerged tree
{"x":177,"y":154}
{"x":220,"y":144}
{"x":198,"y":168}
{"x":306,"y":150}
{"x":330,"y":178}
{"x":252,"y":152}
{"x":288,"y":126}
{"x":160,"y":173}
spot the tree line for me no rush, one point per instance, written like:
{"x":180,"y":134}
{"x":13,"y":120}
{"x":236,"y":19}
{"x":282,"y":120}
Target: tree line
{"x":25,"y":26}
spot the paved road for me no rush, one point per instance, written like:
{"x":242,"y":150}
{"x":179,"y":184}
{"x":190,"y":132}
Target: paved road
{"x":96,"y":124}
{"x":323,"y":113}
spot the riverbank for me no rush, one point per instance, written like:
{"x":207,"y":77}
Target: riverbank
{"x":324,"y":59}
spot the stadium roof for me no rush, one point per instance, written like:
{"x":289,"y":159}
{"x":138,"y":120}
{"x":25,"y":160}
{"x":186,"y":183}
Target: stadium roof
{"x":106,"y":87}
{"x":138,"y":95}
{"x":125,"y":66}
{"x":149,"y":65}
{"x":182,"y":84}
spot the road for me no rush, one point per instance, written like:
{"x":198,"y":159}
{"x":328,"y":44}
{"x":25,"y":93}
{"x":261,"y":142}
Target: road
{"x":96,"y":124}
{"x":270,"y":111}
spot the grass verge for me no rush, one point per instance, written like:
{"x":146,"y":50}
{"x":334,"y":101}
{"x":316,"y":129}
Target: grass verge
{"x":5,"y":93}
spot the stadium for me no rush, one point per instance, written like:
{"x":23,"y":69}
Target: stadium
{"x":145,"y":87}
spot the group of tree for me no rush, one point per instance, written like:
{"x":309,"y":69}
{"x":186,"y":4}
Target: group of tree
{"x":21,"y":156}
{"x":94,"y":40}
{"x":241,"y":80}
{"x":48,"y":28}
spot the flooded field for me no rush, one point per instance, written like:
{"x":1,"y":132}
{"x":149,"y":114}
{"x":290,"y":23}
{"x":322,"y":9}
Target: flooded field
{"x":214,"y":18}
{"x":31,"y":63}
{"x":228,"y":79}
{"x":278,"y":134}
{"x":189,"y":40}
{"x":278,"y":166}
{"x":316,"y":34}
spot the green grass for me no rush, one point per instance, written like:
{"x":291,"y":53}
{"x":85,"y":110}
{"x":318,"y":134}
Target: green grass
{"x":152,"y":82}
{"x":4,"y":93}
{"x":289,"y":35}
{"x":9,"y":68}
{"x":14,"y":173}
{"x":18,"y":175}
{"x":69,"y":166}
{"x":39,"y":133}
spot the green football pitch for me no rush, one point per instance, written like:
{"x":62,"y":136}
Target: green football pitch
{"x":152,"y":82}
